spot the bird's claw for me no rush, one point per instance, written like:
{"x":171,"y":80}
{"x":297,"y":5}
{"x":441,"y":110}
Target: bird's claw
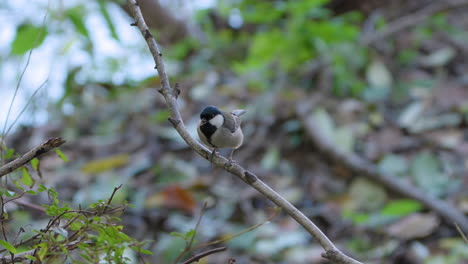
{"x":212,"y":155}
{"x":229,"y":163}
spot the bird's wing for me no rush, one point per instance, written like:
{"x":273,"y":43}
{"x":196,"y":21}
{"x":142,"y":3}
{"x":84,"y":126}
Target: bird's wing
{"x":231,"y":122}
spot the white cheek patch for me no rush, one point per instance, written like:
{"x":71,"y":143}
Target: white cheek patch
{"x":217,"y":121}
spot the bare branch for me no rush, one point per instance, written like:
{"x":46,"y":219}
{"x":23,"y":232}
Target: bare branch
{"x":461,"y":233}
{"x":109,"y":201}
{"x":248,"y":177}
{"x":363,"y":167}
{"x":188,"y":245}
{"x":204,"y":254}
{"x":412,"y":19}
{"x":34,"y":153}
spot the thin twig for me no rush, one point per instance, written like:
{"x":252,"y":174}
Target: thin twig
{"x":461,"y":233}
{"x":21,"y":257}
{"x":4,"y":134}
{"x":204,"y":254}
{"x":25,"y":107}
{"x":363,"y":167}
{"x":202,"y":212}
{"x":248,"y":177}
{"x":109,"y":201}
{"x":34,"y":153}
{"x":412,"y":19}
{"x":230,"y":237}
{"x":188,"y":246}
{"x":30,"y":205}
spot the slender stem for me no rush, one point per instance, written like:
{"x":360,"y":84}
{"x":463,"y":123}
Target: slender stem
{"x":204,"y":254}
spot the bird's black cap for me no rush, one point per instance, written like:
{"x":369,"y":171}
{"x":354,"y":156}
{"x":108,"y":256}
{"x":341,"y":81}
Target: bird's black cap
{"x":209,"y":112}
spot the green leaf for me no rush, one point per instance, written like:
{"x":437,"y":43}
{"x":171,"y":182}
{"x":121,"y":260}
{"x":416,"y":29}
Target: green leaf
{"x":9,"y":153}
{"x":425,"y":169}
{"x":28,"y":37}
{"x":177,"y":234}
{"x":190,"y":234}
{"x":76,"y":16}
{"x":9,"y":193}
{"x":26,"y":179}
{"x":18,"y":185}
{"x":344,"y":139}
{"x":365,"y":196}
{"x":141,"y":250}
{"x":325,"y":122}
{"x":43,"y":251}
{"x":160,"y":116}
{"x":8,"y":246}
{"x":271,"y":158}
{"x":393,"y":164}
{"x":356,"y":217}
{"x":401,"y":207}
{"x":105,"y":14}
{"x":42,"y":188}
{"x":76,"y":225}
{"x":61,"y":155}
{"x":35,"y":164}
{"x":30,"y":257}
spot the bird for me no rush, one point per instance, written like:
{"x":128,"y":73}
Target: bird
{"x":218,"y":129}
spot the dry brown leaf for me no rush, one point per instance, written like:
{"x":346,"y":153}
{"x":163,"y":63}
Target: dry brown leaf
{"x":416,"y":225}
{"x":179,"y":198}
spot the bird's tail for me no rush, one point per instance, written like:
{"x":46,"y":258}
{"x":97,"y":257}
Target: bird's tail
{"x":238,"y":112}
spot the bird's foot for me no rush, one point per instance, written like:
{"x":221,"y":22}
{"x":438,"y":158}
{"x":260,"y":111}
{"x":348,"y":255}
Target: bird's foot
{"x":212,"y":155}
{"x":229,"y":163}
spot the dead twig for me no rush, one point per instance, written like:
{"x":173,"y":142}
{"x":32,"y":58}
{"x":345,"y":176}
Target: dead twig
{"x":461,"y":233}
{"x":248,"y":177}
{"x":188,"y":245}
{"x":412,"y":19}
{"x":33,"y":153}
{"x":109,"y":201}
{"x":204,"y":254}
{"x":230,"y":237}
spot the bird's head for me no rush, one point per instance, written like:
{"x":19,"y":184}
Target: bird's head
{"x":212,"y":115}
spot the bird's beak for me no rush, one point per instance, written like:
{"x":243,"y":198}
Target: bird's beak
{"x":203,"y":121}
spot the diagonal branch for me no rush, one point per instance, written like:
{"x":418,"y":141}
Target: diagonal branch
{"x":413,"y":19}
{"x":363,"y":167}
{"x":332,"y":252}
{"x":33,"y":153}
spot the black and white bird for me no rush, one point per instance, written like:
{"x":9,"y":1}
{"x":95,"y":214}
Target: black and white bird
{"x":218,"y":129}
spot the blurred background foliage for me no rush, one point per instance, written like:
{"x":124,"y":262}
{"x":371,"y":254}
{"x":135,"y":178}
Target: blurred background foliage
{"x":397,"y":96}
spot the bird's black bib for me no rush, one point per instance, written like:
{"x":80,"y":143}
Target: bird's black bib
{"x":208,"y":130}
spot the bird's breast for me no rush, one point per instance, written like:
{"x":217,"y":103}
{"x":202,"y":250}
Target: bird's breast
{"x":224,"y":138}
